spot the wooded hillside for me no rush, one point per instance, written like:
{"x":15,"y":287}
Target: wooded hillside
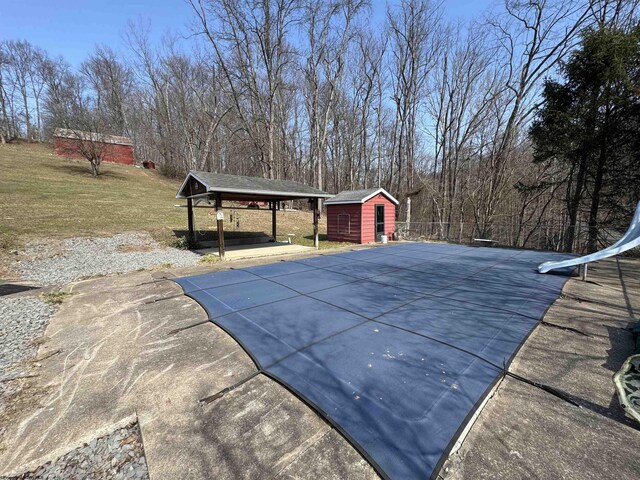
{"x":317,"y":92}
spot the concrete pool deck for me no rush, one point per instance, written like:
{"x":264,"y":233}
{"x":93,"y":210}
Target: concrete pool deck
{"x":240,"y":252}
{"x":524,"y":432}
{"x":121,"y":357}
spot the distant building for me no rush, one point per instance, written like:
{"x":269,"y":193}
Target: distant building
{"x":116,"y":149}
{"x":361,"y":216}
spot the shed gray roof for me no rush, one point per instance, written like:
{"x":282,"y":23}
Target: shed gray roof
{"x":251,"y":186}
{"x":359,"y":196}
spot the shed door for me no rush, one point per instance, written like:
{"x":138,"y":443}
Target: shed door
{"x":379,"y":221}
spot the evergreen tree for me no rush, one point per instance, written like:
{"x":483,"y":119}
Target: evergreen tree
{"x":590,"y":123}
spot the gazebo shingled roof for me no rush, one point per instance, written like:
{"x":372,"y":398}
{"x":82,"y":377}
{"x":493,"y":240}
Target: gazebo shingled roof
{"x":238,"y":187}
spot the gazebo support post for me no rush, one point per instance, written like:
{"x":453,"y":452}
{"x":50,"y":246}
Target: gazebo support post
{"x":273,"y":220}
{"x":192,"y":236}
{"x":316,"y":217}
{"x":220,"y":224}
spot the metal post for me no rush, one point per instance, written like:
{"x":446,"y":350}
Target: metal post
{"x":192,"y":237}
{"x":273,"y":220}
{"x":316,"y":217}
{"x":220,"y":224}
{"x":584,"y":272}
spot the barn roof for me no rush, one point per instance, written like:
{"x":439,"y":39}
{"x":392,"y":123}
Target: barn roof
{"x":91,"y":136}
{"x":359,"y":196}
{"x":234,"y":187}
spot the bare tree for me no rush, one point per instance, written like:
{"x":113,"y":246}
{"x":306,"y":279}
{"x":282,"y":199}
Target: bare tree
{"x":6,"y":107}
{"x":63,"y":95}
{"x":620,"y":14}
{"x":371,"y":52}
{"x":256,"y":36}
{"x":463,"y":86}
{"x":111,"y":82}
{"x":532,"y":38}
{"x":91,"y":144}
{"x":329,"y":31}
{"x":414,"y":29}
{"x":19,"y":67}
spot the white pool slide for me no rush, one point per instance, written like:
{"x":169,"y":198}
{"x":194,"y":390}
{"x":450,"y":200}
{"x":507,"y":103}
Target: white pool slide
{"x":629,"y":240}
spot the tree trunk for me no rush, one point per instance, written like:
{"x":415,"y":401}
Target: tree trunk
{"x":574,"y":205}
{"x":95,"y":168}
{"x":27,"y":115}
{"x":592,"y":242}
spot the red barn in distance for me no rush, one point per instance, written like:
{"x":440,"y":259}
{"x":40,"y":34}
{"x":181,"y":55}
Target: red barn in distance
{"x":361,"y":216}
{"x":116,"y":149}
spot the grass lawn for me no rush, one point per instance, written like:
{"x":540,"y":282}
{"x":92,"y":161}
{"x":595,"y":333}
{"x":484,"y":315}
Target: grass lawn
{"x":45,"y":196}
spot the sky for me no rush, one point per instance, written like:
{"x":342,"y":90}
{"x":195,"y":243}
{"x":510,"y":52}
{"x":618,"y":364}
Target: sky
{"x":72,"y":28}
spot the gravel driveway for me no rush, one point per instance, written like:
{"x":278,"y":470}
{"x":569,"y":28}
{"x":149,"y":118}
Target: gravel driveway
{"x":22,"y":321}
{"x":24,"y":318}
{"x":51,"y":263}
{"x":116,"y":456}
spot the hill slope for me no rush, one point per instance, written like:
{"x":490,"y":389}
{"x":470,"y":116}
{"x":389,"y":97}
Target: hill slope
{"x":42,"y":196}
{"x":45,"y":195}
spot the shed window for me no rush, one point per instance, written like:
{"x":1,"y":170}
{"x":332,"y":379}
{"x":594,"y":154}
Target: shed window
{"x":344,"y":223}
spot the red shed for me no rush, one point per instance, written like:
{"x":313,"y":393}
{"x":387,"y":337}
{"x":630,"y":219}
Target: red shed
{"x":361,"y":216}
{"x":115,"y":149}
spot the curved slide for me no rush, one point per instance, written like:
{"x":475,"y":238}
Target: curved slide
{"x":628,"y":241}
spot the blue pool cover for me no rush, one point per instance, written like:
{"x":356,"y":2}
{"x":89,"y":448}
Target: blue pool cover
{"x":395,"y":346}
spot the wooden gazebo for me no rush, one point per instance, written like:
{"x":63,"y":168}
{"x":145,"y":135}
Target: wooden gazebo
{"x":218,"y":187}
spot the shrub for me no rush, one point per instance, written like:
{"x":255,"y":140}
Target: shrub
{"x":184,"y":242}
{"x":55,"y":298}
{"x":209,"y":258}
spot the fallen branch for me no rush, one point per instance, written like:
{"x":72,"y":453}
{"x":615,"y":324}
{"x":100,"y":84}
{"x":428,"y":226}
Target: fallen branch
{"x":48,"y":355}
